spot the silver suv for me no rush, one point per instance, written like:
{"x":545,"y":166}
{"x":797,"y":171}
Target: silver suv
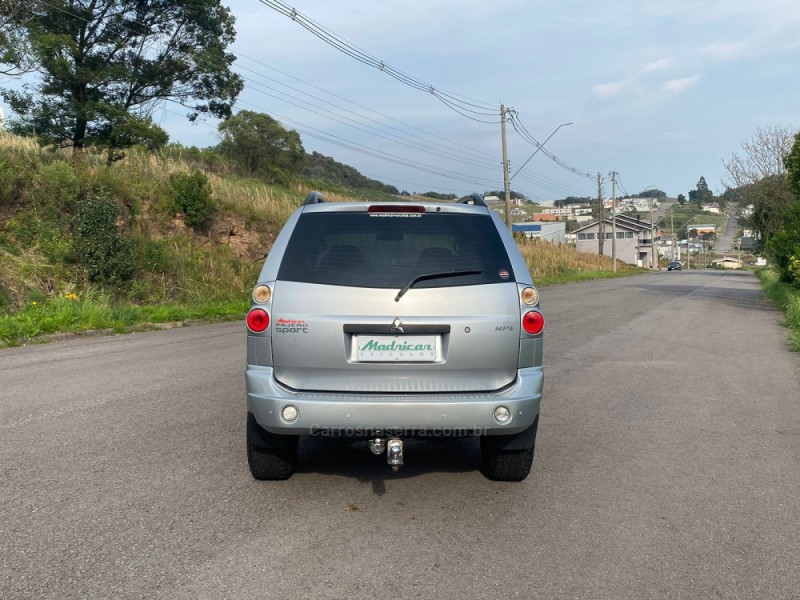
{"x":389,"y":321}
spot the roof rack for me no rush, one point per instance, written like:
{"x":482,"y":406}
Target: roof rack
{"x":314,"y":198}
{"x":475,"y":199}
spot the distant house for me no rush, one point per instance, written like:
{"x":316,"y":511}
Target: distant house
{"x":703,"y":228}
{"x":711,"y":207}
{"x":552,"y":232}
{"x":747,"y":243}
{"x":544,"y":217}
{"x":729,"y":262}
{"x":564,"y":213}
{"x":634,"y":239}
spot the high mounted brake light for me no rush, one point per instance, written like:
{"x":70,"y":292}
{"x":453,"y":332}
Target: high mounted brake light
{"x":396,"y":208}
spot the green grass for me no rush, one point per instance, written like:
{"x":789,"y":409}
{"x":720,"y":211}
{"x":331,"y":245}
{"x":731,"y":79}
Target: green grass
{"x":787,"y":297}
{"x":690,"y":214}
{"x":94,"y":310}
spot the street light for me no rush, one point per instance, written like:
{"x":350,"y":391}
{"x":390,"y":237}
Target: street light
{"x":539,"y":148}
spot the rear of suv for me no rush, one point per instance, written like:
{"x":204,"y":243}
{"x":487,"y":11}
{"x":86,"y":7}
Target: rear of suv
{"x":388,"y":321}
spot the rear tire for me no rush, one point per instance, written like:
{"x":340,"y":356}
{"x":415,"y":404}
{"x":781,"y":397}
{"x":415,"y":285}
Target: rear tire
{"x":509,"y":457}
{"x":271,"y":464}
{"x":505,"y":465}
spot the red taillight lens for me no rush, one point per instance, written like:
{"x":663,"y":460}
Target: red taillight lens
{"x":257,"y":320}
{"x":533,"y":322}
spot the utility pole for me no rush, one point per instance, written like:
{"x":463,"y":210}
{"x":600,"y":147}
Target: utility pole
{"x":672,"y":232}
{"x":614,"y":221}
{"x":506,"y":182}
{"x":601,"y":235}
{"x":652,"y":238}
{"x":688,"y":252}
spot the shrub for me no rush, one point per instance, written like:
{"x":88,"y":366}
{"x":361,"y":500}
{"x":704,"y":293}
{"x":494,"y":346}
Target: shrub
{"x":191,"y":194}
{"x":58,"y":190}
{"x":102,"y":249}
{"x":785,"y":247}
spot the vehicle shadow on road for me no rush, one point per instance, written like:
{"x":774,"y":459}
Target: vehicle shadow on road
{"x":346,"y":458}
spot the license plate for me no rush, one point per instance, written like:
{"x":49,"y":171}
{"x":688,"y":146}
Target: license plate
{"x":396,"y":348}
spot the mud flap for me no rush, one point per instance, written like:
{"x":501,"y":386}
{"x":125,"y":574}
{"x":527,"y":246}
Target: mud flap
{"x":264,"y":440}
{"x":523,"y":440}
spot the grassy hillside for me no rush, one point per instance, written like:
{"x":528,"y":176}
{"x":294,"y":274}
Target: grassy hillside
{"x":84,"y":245}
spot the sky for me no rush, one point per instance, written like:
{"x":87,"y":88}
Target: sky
{"x":658,"y":91}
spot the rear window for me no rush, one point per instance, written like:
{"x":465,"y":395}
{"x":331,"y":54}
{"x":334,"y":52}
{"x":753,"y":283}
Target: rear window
{"x":376,"y":251}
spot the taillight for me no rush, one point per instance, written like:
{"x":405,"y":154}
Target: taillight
{"x":262,"y":293}
{"x":529,"y":296}
{"x":257,"y":320}
{"x":533,"y":322}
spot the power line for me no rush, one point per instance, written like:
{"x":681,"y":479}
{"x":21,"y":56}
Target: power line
{"x":460,"y":104}
{"x":519,"y":127}
{"x":427,"y":135}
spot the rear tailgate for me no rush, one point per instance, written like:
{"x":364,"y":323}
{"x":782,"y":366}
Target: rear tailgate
{"x":447,"y":339}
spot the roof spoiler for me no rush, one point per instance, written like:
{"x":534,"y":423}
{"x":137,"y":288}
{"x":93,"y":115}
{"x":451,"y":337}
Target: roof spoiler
{"x":314,"y":198}
{"x":475,"y":199}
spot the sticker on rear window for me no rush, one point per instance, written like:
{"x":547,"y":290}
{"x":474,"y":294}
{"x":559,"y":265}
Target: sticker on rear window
{"x":504,"y":274}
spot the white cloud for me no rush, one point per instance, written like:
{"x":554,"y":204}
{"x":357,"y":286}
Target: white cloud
{"x":678,"y":86}
{"x":608,"y":90}
{"x":658,"y":65}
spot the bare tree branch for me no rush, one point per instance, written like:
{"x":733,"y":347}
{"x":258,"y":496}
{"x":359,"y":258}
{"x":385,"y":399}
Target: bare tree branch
{"x":762,"y":156}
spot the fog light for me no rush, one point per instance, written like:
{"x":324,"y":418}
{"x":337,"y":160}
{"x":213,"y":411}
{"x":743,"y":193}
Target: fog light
{"x":502,"y":414}
{"x":289,"y":413}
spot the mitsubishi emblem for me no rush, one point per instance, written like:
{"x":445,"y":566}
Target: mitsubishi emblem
{"x":397,"y":325}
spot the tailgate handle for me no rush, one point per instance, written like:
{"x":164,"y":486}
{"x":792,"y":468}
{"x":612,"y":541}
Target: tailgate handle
{"x":386,"y":329}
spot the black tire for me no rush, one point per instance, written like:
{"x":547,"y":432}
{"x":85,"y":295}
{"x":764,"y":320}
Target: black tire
{"x":505,"y":465}
{"x":509,"y":457}
{"x":270,"y":464}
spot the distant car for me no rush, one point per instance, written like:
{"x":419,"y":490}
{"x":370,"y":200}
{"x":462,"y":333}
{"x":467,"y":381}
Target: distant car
{"x":675,"y":265}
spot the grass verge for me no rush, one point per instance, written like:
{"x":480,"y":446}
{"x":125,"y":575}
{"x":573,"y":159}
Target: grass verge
{"x":92,"y":310}
{"x":787,"y":297}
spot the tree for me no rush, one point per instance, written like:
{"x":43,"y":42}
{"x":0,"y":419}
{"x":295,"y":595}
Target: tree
{"x":261,"y":146}
{"x":106,"y":64}
{"x":792,"y":162}
{"x":324,"y":168}
{"x":785,"y":247}
{"x":701,"y":193}
{"x":771,"y":200}
{"x":681,"y":199}
{"x":15,"y":56}
{"x":762,"y":156}
{"x":651,"y":193}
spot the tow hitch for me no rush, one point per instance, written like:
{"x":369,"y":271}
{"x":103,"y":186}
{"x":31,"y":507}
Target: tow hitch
{"x":394,"y":451}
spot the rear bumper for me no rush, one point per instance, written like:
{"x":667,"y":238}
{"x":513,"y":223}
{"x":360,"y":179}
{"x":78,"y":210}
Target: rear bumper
{"x":358,"y":415}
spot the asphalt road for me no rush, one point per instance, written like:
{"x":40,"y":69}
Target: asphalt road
{"x":727,"y":240}
{"x":666,"y":467}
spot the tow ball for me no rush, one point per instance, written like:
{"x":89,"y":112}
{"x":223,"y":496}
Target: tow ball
{"x":394,"y":451}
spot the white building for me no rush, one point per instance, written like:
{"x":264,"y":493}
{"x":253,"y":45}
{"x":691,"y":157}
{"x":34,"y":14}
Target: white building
{"x":634,"y":243}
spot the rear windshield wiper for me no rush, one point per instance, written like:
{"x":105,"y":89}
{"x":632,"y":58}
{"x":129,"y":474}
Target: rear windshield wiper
{"x":425,"y":276}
